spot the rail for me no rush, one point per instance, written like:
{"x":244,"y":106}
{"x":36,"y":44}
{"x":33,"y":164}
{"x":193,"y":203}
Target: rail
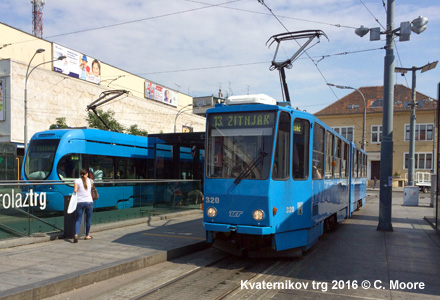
{"x":97,"y":182}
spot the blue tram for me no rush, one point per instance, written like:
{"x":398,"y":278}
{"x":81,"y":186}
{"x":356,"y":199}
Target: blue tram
{"x":276,"y":177}
{"x":60,"y":154}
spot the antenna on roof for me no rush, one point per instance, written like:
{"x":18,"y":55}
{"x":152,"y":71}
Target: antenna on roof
{"x":37,"y":17}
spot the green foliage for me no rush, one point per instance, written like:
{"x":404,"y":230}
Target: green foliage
{"x":134,"y":130}
{"x":108,"y":116}
{"x":60,"y":123}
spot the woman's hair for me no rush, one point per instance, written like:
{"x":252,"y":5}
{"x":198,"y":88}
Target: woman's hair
{"x":83,"y":173}
{"x":95,"y":61}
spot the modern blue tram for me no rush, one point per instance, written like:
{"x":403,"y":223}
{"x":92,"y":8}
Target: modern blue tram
{"x":276,"y":177}
{"x":109,"y":156}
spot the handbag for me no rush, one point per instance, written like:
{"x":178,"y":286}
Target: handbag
{"x":95,"y":194}
{"x":72,"y":203}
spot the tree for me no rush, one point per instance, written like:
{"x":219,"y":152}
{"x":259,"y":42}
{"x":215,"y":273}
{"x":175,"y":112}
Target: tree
{"x":134,"y":130}
{"x":108,"y":116}
{"x":60,"y":123}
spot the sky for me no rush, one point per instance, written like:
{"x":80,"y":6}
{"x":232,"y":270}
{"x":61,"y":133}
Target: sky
{"x":199,"y":47}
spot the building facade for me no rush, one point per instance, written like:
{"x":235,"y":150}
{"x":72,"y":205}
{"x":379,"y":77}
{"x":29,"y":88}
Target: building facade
{"x":346,"y":116}
{"x":59,"y":89}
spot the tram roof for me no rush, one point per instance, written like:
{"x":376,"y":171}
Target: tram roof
{"x":187,"y":139}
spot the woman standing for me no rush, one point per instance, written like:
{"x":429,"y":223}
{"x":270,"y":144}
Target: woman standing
{"x":83,"y":188}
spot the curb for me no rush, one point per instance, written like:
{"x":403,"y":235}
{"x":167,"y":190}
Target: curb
{"x":62,"y":284}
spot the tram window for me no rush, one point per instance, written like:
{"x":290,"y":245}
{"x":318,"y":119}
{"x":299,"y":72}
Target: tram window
{"x":355,"y":163}
{"x":102,"y":167}
{"x":69,"y":166}
{"x":329,"y":155}
{"x":281,"y":164}
{"x":140,"y":169}
{"x":361,"y":164}
{"x":122,"y":168}
{"x":131,"y":170}
{"x":338,"y":151}
{"x":40,"y":158}
{"x":300,"y":161}
{"x":318,"y":151}
{"x":364,"y":166}
{"x":344,"y":161}
{"x":239,"y":145}
{"x":164,"y":163}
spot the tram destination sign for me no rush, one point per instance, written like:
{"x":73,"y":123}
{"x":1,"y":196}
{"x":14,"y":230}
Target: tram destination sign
{"x":242,"y":119}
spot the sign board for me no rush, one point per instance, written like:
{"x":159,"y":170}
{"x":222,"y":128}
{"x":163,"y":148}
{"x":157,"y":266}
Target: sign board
{"x":76,"y":64}
{"x":161,"y":94}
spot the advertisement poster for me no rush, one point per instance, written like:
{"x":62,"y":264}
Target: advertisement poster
{"x":161,"y":94}
{"x":76,"y":64}
{"x":2,"y":99}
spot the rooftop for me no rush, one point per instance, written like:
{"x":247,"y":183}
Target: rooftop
{"x":354,"y":104}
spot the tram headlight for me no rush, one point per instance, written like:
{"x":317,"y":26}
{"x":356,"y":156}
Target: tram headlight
{"x":258,"y":215}
{"x":211,"y":212}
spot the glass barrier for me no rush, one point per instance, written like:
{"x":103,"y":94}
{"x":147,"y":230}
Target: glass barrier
{"x":30,"y":209}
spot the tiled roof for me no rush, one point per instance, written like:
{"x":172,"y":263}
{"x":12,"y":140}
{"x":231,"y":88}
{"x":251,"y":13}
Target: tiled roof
{"x":353,"y":103}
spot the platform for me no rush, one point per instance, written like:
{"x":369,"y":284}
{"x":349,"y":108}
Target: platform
{"x":45,"y":268}
{"x":356,"y":250}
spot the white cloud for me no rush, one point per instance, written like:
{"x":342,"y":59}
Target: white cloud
{"x":177,"y":35}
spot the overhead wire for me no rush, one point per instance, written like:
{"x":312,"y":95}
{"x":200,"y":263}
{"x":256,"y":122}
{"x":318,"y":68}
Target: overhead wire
{"x":376,"y":19}
{"x":207,"y":5}
{"x":281,"y":16}
{"x":222,"y":5}
{"x":316,"y":65}
{"x":256,"y":63}
{"x":395,"y":44}
{"x":127,"y":22}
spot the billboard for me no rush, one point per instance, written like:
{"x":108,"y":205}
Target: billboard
{"x":161,"y":94}
{"x":76,"y":64}
{"x":2,"y":99}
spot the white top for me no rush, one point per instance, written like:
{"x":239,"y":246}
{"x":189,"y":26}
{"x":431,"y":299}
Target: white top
{"x":84,"y":195}
{"x":251,"y":99}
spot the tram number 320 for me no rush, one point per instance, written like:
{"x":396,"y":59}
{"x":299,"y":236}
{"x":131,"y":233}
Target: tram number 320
{"x":212,"y":200}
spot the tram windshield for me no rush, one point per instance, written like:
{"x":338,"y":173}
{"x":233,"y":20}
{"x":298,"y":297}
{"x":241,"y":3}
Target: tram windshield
{"x":40,"y":158}
{"x":239,"y":145}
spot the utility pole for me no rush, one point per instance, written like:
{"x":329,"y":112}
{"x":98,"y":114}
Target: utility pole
{"x":418,"y":25}
{"x":412,"y":125}
{"x":386,"y":149}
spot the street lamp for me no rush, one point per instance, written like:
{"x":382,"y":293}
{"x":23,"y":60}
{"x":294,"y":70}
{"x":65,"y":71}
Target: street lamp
{"x":28,"y":73}
{"x":412,"y":124}
{"x":365,"y":108}
{"x":179,"y":113}
{"x":386,"y":148}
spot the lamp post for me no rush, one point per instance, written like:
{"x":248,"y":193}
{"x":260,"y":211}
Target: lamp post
{"x":412,"y":124}
{"x":365,"y":108}
{"x":28,"y":73}
{"x":179,"y":113}
{"x":386,"y":149}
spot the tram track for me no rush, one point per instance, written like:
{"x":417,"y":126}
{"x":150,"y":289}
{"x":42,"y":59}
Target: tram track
{"x":218,"y":279}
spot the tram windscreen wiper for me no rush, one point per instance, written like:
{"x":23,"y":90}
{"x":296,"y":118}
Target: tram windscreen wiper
{"x":257,"y":160}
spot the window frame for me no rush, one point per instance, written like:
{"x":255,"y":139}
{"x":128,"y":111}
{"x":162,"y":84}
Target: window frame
{"x":318,"y":151}
{"x":378,"y":133}
{"x":287,"y":142}
{"x":418,"y":132}
{"x":417,"y":159}
{"x":306,"y":148}
{"x":338,"y":130}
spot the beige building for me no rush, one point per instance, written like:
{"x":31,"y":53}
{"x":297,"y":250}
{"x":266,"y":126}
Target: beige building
{"x":59,"y":89}
{"x":346,"y":116}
